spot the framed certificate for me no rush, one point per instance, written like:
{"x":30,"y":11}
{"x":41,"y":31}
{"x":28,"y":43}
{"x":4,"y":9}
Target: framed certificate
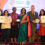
{"x":2,"y":19}
{"x":42,"y":19}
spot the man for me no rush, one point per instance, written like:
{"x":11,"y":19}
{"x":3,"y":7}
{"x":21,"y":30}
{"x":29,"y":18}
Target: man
{"x":14,"y":27}
{"x":32,"y":16}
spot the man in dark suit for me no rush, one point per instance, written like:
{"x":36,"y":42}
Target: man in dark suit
{"x":32,"y":16}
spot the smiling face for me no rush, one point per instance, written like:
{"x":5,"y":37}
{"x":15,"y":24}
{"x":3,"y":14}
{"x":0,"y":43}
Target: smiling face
{"x":14,"y":10}
{"x":23,"y":11}
{"x":32,"y":8}
{"x":2,"y":3}
{"x":42,"y":12}
{"x":6,"y":13}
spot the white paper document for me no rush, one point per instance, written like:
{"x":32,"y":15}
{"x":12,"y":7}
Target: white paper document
{"x":42,"y":19}
{"x":2,"y":19}
{"x":37,"y":20}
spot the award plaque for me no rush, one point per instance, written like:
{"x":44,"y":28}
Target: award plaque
{"x":18,"y":20}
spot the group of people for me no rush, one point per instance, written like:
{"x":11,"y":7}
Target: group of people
{"x":27,"y":28}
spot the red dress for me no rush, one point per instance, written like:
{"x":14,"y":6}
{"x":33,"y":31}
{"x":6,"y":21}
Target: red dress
{"x":42,"y":30}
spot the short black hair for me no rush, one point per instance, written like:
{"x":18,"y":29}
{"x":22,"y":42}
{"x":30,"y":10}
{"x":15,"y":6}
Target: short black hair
{"x":32,"y":6}
{"x":13,"y":8}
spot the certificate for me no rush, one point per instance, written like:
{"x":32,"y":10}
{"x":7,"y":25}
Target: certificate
{"x":42,"y":19}
{"x":2,"y":19}
{"x":37,"y":20}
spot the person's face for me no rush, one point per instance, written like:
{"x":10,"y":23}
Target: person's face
{"x":42,"y":12}
{"x":14,"y":10}
{"x":6,"y":13}
{"x":23,"y":11}
{"x":32,"y":8}
{"x":0,"y":12}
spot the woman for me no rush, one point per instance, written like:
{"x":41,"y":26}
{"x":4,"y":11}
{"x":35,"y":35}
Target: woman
{"x":42,"y":27}
{"x":22,"y":37}
{"x":6,"y":26}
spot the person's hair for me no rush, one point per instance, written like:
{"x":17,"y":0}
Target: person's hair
{"x":7,"y":12}
{"x":13,"y":8}
{"x":1,"y":12}
{"x":32,"y":6}
{"x":24,"y":9}
{"x":43,"y":11}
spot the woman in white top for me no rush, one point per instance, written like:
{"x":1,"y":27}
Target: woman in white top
{"x":6,"y":27}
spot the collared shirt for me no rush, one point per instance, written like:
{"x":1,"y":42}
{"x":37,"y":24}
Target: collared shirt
{"x":14,"y":17}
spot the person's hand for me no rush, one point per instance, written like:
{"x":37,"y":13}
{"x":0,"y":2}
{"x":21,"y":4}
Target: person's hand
{"x":22,"y":22}
{"x":34,"y":21}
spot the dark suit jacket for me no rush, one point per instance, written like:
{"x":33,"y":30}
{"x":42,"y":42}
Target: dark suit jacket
{"x":32,"y":17}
